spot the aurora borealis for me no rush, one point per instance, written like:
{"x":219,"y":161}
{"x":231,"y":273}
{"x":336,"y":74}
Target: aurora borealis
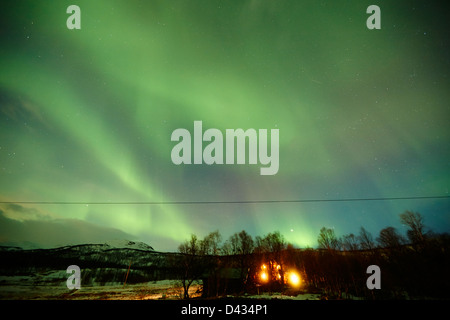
{"x":86,"y":117}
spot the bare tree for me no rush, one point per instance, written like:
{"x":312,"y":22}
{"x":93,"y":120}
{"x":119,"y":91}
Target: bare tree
{"x":274,"y":242}
{"x":389,"y":237}
{"x":350,"y":242}
{"x":327,"y":239}
{"x":234,"y":244}
{"x":238,"y":243}
{"x":414,"y":221}
{"x":190,"y":263}
{"x":210,"y":245}
{"x":365,"y":239}
{"x":226,"y":248}
{"x":245,"y":243}
{"x":241,"y":245}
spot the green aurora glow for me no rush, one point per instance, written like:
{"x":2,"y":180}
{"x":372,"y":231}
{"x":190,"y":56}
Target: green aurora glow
{"x":86,"y":115}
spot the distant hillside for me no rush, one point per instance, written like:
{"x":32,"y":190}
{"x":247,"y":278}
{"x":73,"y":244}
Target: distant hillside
{"x":99,"y":263}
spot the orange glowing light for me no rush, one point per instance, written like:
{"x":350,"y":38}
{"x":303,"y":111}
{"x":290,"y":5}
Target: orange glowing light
{"x":294,"y":279}
{"x":264,"y":276}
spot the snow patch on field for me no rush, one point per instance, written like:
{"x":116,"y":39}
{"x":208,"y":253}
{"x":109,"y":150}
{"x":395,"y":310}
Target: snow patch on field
{"x":280,"y":296}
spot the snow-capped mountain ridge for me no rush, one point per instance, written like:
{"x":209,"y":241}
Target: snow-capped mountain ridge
{"x":127,"y":244}
{"x":108,"y":245}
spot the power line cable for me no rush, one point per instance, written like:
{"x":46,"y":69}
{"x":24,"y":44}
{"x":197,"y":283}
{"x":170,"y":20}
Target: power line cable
{"x":223,"y":202}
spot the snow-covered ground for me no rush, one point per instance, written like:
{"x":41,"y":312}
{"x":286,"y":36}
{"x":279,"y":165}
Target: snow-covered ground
{"x":50,"y":287}
{"x":18,"y":288}
{"x":277,"y":295}
{"x":166,"y":289}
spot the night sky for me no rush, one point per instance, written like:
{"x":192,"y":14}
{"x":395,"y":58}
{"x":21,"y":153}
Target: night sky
{"x":86,"y":118}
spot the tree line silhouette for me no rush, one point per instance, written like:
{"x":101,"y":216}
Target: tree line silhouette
{"x":412,"y":266}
